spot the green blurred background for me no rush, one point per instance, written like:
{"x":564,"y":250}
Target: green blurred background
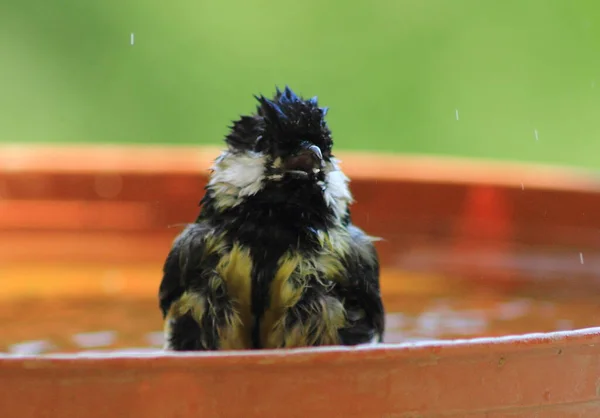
{"x":394,"y":73}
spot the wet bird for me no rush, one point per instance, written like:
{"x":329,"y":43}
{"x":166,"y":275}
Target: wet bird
{"x":273,"y":259}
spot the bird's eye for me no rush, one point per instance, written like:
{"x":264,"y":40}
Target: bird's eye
{"x":260,"y":145}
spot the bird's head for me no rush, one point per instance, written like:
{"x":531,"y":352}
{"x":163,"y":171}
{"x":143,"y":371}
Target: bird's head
{"x":280,"y":154}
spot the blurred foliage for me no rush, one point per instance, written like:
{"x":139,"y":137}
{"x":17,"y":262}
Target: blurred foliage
{"x":393,"y":72}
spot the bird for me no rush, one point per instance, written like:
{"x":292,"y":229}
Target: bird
{"x":273,"y":259}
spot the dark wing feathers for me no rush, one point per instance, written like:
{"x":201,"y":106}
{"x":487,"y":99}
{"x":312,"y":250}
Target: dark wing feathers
{"x":362,"y":298}
{"x":170,"y":286}
{"x":177,"y":267}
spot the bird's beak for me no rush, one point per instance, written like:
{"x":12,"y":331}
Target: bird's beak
{"x":316,"y":151}
{"x":308,"y":160}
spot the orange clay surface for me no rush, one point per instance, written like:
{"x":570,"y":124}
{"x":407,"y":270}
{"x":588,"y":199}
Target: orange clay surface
{"x":470,"y":249}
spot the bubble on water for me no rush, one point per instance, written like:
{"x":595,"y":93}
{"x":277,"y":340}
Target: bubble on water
{"x":396,"y":320}
{"x":121,"y":351}
{"x":465,"y":326}
{"x":468,"y":322}
{"x":395,"y":337}
{"x":512,"y":310}
{"x":422,"y":340}
{"x":30,"y":347}
{"x":564,"y":325}
{"x":428,"y":323}
{"x":95,"y":339}
{"x":155,"y":338}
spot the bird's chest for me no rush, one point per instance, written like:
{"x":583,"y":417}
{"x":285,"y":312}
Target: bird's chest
{"x":267,"y":272}
{"x":264,"y":281}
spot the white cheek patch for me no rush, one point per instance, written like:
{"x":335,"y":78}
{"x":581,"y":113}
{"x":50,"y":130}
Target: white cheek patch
{"x":337,"y":194}
{"x":237,"y":175}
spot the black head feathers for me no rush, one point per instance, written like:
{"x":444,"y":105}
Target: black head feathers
{"x":245,"y":133}
{"x":286,"y":105}
{"x":288,"y":97}
{"x":280,"y":122}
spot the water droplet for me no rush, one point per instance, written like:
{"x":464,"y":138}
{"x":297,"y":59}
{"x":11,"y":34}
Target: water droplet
{"x":536,"y":134}
{"x":581,"y":257}
{"x":456,"y":114}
